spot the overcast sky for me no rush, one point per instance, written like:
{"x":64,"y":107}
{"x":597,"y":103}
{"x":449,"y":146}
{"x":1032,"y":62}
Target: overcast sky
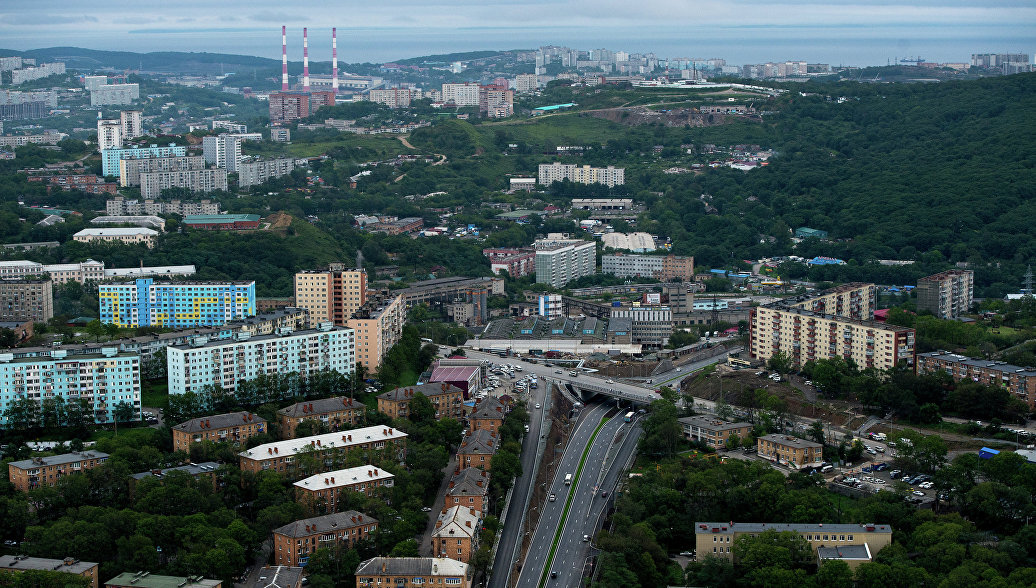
{"x":202,"y":25}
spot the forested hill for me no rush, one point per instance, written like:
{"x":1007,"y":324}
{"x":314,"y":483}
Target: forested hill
{"x":896,"y":170}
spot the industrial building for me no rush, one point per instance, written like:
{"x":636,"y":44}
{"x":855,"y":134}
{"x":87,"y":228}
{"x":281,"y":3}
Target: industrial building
{"x":144,"y":302}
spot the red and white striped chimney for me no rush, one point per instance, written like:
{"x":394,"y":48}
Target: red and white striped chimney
{"x":305,"y":60}
{"x":334,"y":60}
{"x":284,"y":59}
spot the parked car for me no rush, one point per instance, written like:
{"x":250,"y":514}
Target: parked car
{"x":918,"y":493}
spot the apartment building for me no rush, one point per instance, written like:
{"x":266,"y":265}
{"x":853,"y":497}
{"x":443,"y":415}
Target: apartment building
{"x":711,"y":431}
{"x":288,"y":106}
{"x":114,"y":94}
{"x":559,"y":261}
{"x":131,"y":168}
{"x":516,"y":262}
{"x":456,"y":533}
{"x":120,"y":205}
{"x":464,"y":94}
{"x":98,"y":381}
{"x":581,"y":174}
{"x":226,"y":363}
{"x":789,"y":450}
{"x":22,"y":563}
{"x":477,"y":450}
{"x":229,"y":126}
{"x":526,"y":83}
{"x":206,"y":470}
{"x":255,"y":172}
{"x":468,"y":488}
{"x":334,"y":413}
{"x":234,"y":427}
{"x":222,"y":151}
{"x":378,"y":325}
{"x":323,"y":492}
{"x":149,"y":580}
{"x":110,"y":158}
{"x":446,"y":399}
{"x":197,"y":180}
{"x":651,"y":325}
{"x":488,"y":415}
{"x":856,"y":300}
{"x":443,"y":292}
{"x":331,"y":295}
{"x":1020,"y":381}
{"x":420,"y":571}
{"x":496,"y":103}
{"x":131,"y":124}
{"x":717,"y":539}
{"x":665,"y":268}
{"x":394,"y":97}
{"x":295,"y":542}
{"x":26,"y":299}
{"x":109,"y":134}
{"x":551,"y":306}
{"x":948,"y":294}
{"x":85,"y":271}
{"x":36,"y":472}
{"x":280,"y":455}
{"x":602,"y":204}
{"x":181,"y":305}
{"x":128,"y":235}
{"x":90,"y":184}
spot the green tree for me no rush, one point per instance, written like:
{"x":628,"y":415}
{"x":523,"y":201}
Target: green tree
{"x":816,"y":432}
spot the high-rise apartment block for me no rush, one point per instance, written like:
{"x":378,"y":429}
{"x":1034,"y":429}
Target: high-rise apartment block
{"x":581,"y":174}
{"x":144,"y":303}
{"x":394,"y":97}
{"x":289,"y":106}
{"x":332,"y":295}
{"x":225,"y":363}
{"x":196,"y":180}
{"x":252,"y":173}
{"x":526,"y":83}
{"x":22,"y":105}
{"x":559,"y":261}
{"x":114,"y":94}
{"x":109,"y":134}
{"x":130,"y":169}
{"x":1009,"y":63}
{"x":496,"y":103}
{"x":110,"y":157}
{"x":121,"y":206}
{"x":131,"y":123}
{"x":464,"y":94}
{"x":223,"y":151}
{"x":834,"y":323}
{"x":378,"y":325}
{"x":26,"y":299}
{"x":666,"y":268}
{"x":100,"y":382}
{"x":28,"y":74}
{"x":947,"y":295}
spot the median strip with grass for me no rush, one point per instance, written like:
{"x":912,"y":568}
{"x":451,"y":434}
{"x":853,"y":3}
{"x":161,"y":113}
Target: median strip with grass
{"x":568,"y":504}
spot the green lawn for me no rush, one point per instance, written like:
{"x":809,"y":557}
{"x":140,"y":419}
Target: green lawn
{"x":154,"y":394}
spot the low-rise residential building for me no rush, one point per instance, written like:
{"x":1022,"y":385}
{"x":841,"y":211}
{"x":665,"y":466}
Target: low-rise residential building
{"x":36,"y":472}
{"x":420,"y":571}
{"x":323,"y":493}
{"x":69,"y":565}
{"x":204,"y":470}
{"x":456,"y":533}
{"x":149,"y":580}
{"x":488,"y":416}
{"x":469,"y":488}
{"x":712,"y":431}
{"x":445,"y":398}
{"x":477,"y":450}
{"x":227,"y":363}
{"x":295,"y":542}
{"x":948,"y":294}
{"x":183,"y":305}
{"x":789,"y":450}
{"x":717,"y":539}
{"x":378,"y":325}
{"x":234,"y":427}
{"x":90,"y":184}
{"x":280,"y":456}
{"x":26,"y":299}
{"x":129,"y":235}
{"x":1019,"y":381}
{"x":334,"y":413}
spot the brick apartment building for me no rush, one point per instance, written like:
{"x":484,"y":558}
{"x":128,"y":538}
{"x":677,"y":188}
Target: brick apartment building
{"x":420,"y":571}
{"x":322,"y":493}
{"x":233,"y":427}
{"x":717,"y":539}
{"x":1019,"y":381}
{"x":21,"y":563}
{"x":477,"y":450}
{"x":447,"y":399}
{"x":293,"y":543}
{"x":334,"y":413}
{"x":36,"y":472}
{"x":488,"y":415}
{"x":456,"y":533}
{"x":469,"y":488}
{"x":790,"y":450}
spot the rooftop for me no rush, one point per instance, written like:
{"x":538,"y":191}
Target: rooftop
{"x":219,"y":218}
{"x":205,"y":343}
{"x":790,"y":441}
{"x":453,"y":373}
{"x":432,"y":389}
{"x":321,"y":406}
{"x":412,"y":566}
{"x":219,"y":421}
{"x":729,"y":527}
{"x":325,"y":441}
{"x":457,"y":521}
{"x":115,"y":232}
{"x":845,"y":552}
{"x":62,"y":459}
{"x":339,"y":520}
{"x":192,"y":468}
{"x":149,"y":580}
{"x":279,"y":577}
{"x":490,"y":408}
{"x":480,"y":442}
{"x":997,"y":366}
{"x":346,"y":477}
{"x":466,"y":482}
{"x":713,"y":424}
{"x":67,"y":565}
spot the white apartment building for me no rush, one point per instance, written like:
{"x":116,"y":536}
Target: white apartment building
{"x":119,"y":206}
{"x":114,"y":94}
{"x":131,"y":169}
{"x":131,"y":123}
{"x":582,"y":174}
{"x":109,"y":134}
{"x":86,"y":271}
{"x":223,"y":151}
{"x":91,"y":83}
{"x":558,"y":262}
{"x":251,"y":173}
{"x":43,"y":70}
{"x":526,"y":83}
{"x":394,"y":97}
{"x":224,"y":363}
{"x":465,"y":94}
{"x":229,"y":126}
{"x":199,"y":180}
{"x":125,"y":235}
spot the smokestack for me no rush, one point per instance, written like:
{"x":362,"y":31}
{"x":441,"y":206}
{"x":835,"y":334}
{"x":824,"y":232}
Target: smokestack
{"x":305,"y":60}
{"x":334,"y":60}
{"x":284,"y":59}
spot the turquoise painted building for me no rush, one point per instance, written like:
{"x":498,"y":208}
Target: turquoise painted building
{"x":143,"y":303}
{"x":110,"y":157}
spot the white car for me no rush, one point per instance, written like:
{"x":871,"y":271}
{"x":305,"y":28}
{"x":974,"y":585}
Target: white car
{"x":609,"y":381}
{"x":538,"y":405}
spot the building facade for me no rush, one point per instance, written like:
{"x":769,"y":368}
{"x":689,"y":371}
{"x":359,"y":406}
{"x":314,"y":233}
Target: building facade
{"x":378,"y":325}
{"x":332,"y":295}
{"x":121,"y":234}
{"x":581,"y":174}
{"x":226,"y":363}
{"x":144,"y":302}
{"x":516,"y":262}
{"x":323,"y":493}
{"x":394,"y":97}
{"x":222,"y":222}
{"x":36,"y":472}
{"x":333,"y":447}
{"x":334,"y":413}
{"x":651,"y":325}
{"x":1019,"y":381}
{"x":295,"y":542}
{"x":222,"y":151}
{"x":456,"y":533}
{"x":666,"y":268}
{"x":477,"y":450}
{"x":418,"y":571}
{"x":69,"y":565}
{"x":713,"y":432}
{"x":448,"y":400}
{"x":234,"y":427}
{"x":253,"y":173}
{"x":468,"y":488}
{"x":947,"y":295}
{"x":131,"y":168}
{"x":789,"y":450}
{"x":488,"y":416}
{"x":122,"y":206}
{"x":463,"y":94}
{"x":26,"y":299}
{"x":110,"y":157}
{"x":114,"y":94}
{"x":196,"y":180}
{"x":558,"y":262}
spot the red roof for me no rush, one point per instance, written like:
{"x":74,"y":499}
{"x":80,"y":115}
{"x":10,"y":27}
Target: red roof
{"x":453,"y":373}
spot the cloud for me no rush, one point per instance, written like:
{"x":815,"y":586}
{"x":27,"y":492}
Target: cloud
{"x":46,"y":19}
{"x":277,"y":17}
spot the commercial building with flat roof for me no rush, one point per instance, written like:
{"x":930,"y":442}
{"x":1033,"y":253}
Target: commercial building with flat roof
{"x":35,"y":472}
{"x":181,"y":305}
{"x":128,"y":235}
{"x":23,"y":563}
{"x":420,"y":571}
{"x":228,"y":362}
{"x":323,"y":492}
{"x":295,"y":542}
{"x":26,"y":299}
{"x":233,"y":427}
{"x":948,"y":294}
{"x":717,"y":539}
{"x":280,"y":455}
{"x":650,"y":325}
{"x":789,"y":450}
{"x":1019,"y":381}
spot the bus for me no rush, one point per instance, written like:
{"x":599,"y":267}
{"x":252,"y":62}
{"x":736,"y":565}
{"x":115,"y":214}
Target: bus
{"x":628,"y":417}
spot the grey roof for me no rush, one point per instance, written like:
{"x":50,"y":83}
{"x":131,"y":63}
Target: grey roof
{"x":728,"y":527}
{"x":412,"y":566}
{"x":996,"y":366}
{"x":431,"y":389}
{"x":324,"y":405}
{"x":339,"y":520}
{"x":58,"y":459}
{"x":845,"y":552}
{"x":490,"y":408}
{"x":789,"y":440}
{"x":481,"y":442}
{"x":21,"y":562}
{"x":624,"y":324}
{"x":192,"y":468}
{"x":466,"y":482}
{"x":219,"y":421}
{"x":712,"y":424}
{"x":279,"y":577}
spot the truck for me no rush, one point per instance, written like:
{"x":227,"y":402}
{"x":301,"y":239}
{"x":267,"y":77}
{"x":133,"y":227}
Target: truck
{"x":568,"y":479}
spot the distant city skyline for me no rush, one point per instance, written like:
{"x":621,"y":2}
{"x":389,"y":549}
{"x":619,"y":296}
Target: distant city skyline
{"x":740,"y":31}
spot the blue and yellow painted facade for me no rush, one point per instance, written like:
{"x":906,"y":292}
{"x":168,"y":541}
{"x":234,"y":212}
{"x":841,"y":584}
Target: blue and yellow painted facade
{"x":143,"y":303}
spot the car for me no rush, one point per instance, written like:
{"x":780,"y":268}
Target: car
{"x":895,"y":474}
{"x":878,"y":481}
{"x":604,"y":493}
{"x":10,"y":543}
{"x":586,"y":538}
{"x":926,"y":485}
{"x":679,"y":369}
{"x":526,"y":428}
{"x":426,"y":509}
{"x":687,"y":553}
{"x":538,"y":405}
{"x":609,"y":381}
{"x":558,"y":372}
{"x":918,"y":493}
{"x":552,"y":497}
{"x":553,"y":575}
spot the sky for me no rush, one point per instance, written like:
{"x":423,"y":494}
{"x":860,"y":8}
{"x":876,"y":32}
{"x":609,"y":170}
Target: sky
{"x":867,"y":31}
